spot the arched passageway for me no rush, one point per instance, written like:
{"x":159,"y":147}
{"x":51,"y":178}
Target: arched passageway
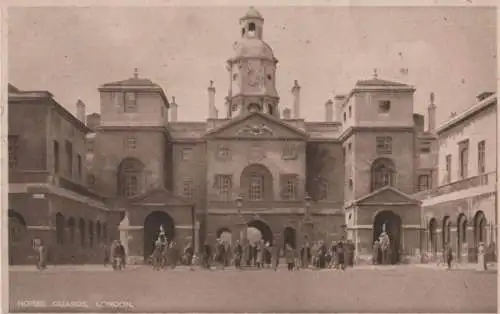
{"x":289,"y":237}
{"x":446,"y":231}
{"x":17,"y":234}
{"x":391,"y":223}
{"x":265,"y":232}
{"x":461,"y":236}
{"x":152,"y":225}
{"x":71,"y":230}
{"x":433,"y":240}
{"x":479,"y":228}
{"x":225,"y":235}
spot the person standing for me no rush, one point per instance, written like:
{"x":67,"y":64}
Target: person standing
{"x":481,"y":258}
{"x":341,"y":255}
{"x":188,"y":253}
{"x":448,"y":253}
{"x":238,"y":251}
{"x":207,"y":254}
{"x":41,"y":256}
{"x":276,"y":256}
{"x":375,"y":252}
{"x":106,"y":253}
{"x":290,"y":257}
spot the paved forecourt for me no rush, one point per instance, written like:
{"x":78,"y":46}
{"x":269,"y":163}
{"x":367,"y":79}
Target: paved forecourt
{"x":140,"y":289}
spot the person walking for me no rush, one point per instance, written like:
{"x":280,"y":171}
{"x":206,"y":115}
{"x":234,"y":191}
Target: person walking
{"x":375,"y":252}
{"x":275,"y":256}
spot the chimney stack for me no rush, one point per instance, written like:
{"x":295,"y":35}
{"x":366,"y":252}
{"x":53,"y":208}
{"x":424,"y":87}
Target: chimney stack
{"x":80,"y":111}
{"x":296,"y":99}
{"x":287,"y":114}
{"x":329,"y":111}
{"x":431,"y":114}
{"x":211,"y":101}
{"x":216,"y":113}
{"x":173,"y":110}
{"x":337,"y":107}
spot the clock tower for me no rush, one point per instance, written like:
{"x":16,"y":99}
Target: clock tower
{"x":252,"y":71}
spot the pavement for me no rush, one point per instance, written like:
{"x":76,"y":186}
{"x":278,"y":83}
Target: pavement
{"x":389,"y":289}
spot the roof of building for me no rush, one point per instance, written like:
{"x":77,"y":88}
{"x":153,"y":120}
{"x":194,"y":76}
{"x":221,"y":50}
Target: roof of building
{"x":458,"y":118}
{"x":253,"y":48}
{"x":252,"y":13}
{"x":133,"y":82}
{"x":378,"y":82}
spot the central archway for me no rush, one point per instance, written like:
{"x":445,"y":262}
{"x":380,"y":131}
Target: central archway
{"x":152,"y":225}
{"x":393,"y":227}
{"x":265,"y":231}
{"x":289,"y":237}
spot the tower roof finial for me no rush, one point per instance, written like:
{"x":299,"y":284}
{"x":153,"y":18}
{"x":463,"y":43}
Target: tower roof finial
{"x":375,"y":74}
{"x":136,"y":73}
{"x":432,"y":98}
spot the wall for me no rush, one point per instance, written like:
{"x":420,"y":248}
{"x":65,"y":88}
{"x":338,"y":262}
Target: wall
{"x":365,"y":109}
{"x":364,"y":153}
{"x":479,"y":127}
{"x":29,"y":121}
{"x":149,"y":110}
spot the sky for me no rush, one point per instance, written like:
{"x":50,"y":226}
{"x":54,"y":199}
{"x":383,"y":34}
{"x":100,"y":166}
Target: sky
{"x":71,"y":51}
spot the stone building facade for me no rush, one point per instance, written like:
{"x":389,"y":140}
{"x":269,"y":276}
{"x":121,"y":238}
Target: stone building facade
{"x":366,"y":167}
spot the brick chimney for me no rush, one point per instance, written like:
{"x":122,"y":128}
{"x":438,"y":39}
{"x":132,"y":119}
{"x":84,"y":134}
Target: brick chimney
{"x":296,"y":99}
{"x":80,"y":111}
{"x":211,"y":101}
{"x":287,"y":113}
{"x":173,"y":110}
{"x":329,"y":111}
{"x":337,"y":107}
{"x":431,"y":114}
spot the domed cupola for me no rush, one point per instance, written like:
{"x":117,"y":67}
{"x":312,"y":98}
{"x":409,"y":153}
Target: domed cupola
{"x":252,"y":70}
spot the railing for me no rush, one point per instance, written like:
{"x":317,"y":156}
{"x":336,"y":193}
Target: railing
{"x":28,"y":176}
{"x":471,"y":182}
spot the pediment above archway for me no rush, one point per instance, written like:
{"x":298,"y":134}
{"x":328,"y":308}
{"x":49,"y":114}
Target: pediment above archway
{"x":257,"y":126}
{"x":386,"y":196}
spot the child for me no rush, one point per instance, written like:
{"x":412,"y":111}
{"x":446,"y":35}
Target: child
{"x":195,"y":261}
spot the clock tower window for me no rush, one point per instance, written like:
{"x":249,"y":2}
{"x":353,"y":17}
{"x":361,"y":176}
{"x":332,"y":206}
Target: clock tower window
{"x":253,"y":107}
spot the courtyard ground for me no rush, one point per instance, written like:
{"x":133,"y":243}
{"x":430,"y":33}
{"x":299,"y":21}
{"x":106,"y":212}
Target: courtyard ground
{"x":364,"y":289}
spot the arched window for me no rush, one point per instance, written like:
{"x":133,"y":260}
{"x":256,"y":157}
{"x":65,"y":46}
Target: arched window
{"x":130,"y":174}
{"x":257,"y":181}
{"x":383,"y":173}
{"x":433,"y":235}
{"x":253,"y":107}
{"x":446,"y":230}
{"x":17,"y":227}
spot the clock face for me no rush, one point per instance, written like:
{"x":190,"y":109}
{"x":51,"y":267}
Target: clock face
{"x":254,"y":75}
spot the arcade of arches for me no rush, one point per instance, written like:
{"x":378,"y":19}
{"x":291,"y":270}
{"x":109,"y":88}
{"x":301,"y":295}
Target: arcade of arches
{"x":462,"y":234}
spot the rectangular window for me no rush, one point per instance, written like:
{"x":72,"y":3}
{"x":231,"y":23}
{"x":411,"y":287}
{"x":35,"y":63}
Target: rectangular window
{"x":463,"y":150}
{"x":289,"y":185}
{"x":384,"y":144}
{"x":186,"y":154}
{"x":481,"y":157}
{"x":448,"y":169}
{"x":131,"y":184}
{"x":223,"y":186}
{"x":130,"y":102}
{"x":13,"y":151}
{"x":423,"y":182}
{"x":256,"y":188}
{"x":131,"y":142}
{"x":80,"y":166}
{"x":425,"y":148}
{"x":187,"y":188}
{"x":69,"y":158}
{"x":56,"y":157}
{"x":384,"y":106}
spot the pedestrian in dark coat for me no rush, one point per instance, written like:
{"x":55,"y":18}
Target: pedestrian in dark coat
{"x":290,"y":257}
{"x":341,"y":255}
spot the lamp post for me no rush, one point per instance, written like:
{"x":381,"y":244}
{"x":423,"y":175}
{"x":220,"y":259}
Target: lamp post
{"x":308,"y":224}
{"x":243,"y":227}
{"x":239,"y":204}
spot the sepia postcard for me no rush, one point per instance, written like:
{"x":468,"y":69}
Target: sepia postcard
{"x":249,"y":157}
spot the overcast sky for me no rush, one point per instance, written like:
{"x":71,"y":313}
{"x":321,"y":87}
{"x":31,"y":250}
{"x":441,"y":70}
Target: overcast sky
{"x":72,"y":51}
